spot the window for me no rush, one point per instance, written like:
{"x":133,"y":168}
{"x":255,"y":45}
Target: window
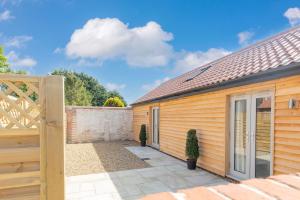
{"x":202,"y":70}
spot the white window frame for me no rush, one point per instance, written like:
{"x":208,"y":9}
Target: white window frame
{"x":155,"y":144}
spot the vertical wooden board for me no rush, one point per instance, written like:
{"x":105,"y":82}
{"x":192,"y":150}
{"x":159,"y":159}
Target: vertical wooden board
{"x":55,"y":135}
{"x":227,"y":135}
{"x":43,"y":139}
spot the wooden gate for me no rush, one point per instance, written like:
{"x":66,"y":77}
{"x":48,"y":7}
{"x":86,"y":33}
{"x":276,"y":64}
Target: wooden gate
{"x":31,"y":137}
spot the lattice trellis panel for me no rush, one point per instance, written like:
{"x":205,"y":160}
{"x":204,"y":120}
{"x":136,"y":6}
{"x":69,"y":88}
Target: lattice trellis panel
{"x":19,"y":104}
{"x":31,"y":149}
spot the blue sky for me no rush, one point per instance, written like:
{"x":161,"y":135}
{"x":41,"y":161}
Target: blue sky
{"x":133,"y":46}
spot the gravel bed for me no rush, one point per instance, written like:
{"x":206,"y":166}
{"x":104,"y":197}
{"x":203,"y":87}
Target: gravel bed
{"x":89,"y":158}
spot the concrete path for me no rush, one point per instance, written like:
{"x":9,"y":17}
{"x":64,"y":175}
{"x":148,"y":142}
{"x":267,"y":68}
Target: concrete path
{"x":167,"y":174}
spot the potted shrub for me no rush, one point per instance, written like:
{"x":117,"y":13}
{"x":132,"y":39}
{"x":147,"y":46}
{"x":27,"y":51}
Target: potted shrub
{"x":191,"y":149}
{"x":143,"y":135}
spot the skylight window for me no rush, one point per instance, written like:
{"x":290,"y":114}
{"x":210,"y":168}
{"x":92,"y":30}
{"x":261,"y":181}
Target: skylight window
{"x":197,"y":74}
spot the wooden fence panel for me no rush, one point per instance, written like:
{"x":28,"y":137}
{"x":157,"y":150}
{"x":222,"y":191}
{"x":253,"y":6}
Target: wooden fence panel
{"x":31,"y":137}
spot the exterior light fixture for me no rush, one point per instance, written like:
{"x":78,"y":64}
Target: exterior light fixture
{"x":292,"y":103}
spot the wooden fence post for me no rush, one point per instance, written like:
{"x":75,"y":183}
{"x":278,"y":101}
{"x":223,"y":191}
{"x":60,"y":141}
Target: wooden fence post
{"x":55,"y":137}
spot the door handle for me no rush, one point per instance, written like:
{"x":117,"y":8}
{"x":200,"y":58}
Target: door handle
{"x":248,"y":135}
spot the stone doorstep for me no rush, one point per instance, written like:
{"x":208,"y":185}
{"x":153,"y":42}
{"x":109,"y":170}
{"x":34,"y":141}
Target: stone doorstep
{"x":274,"y":187}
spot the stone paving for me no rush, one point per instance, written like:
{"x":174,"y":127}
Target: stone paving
{"x":167,"y":174}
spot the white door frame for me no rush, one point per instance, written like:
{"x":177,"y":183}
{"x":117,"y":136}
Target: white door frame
{"x":155,"y":131}
{"x":232,"y":172}
{"x":253,"y":130}
{"x":250,"y":133}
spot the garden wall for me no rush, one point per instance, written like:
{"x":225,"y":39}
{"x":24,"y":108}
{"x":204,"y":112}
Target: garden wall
{"x":89,"y":124}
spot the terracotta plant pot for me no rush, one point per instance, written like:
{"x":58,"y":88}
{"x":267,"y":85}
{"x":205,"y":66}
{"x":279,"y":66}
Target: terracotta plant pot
{"x":191,"y":164}
{"x":143,"y":143}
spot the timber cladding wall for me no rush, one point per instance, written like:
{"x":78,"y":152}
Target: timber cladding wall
{"x":209,"y":114}
{"x":31,"y":137}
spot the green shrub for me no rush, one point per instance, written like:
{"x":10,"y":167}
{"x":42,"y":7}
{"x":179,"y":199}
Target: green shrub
{"x":192,"y":147}
{"x":114,"y":102}
{"x":143,"y":134}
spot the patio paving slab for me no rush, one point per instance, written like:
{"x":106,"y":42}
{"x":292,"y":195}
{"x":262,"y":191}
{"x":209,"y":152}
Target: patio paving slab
{"x":166,"y":174}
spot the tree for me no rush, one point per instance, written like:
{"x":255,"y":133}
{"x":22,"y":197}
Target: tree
{"x":75,"y":91}
{"x":143,"y":135}
{"x":116,"y":94}
{"x":191,"y":147}
{"x":114,"y":102}
{"x":99,"y":93}
{"x":4,"y":65}
{"x":4,"y":69}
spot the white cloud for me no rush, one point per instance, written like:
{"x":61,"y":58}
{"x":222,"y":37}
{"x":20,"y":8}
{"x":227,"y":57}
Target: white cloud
{"x":17,"y":41}
{"x":245,"y":37}
{"x":192,"y":60}
{"x":16,"y":61}
{"x":5,"y":15}
{"x":109,"y":38}
{"x":58,"y":50}
{"x":88,"y":62}
{"x":150,"y":86}
{"x":11,"y":2}
{"x":115,"y":86}
{"x":293,"y":15}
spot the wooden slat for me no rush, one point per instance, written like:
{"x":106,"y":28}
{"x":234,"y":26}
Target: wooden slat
{"x":27,"y":193}
{"x":15,"y":77}
{"x":19,"y":167}
{"x":16,"y":155}
{"x":20,"y":179}
{"x":23,"y":197}
{"x":18,"y":132}
{"x":19,"y":141}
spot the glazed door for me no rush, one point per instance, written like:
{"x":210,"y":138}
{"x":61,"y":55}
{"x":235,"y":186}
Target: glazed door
{"x":239,"y":137}
{"x":251,"y":136}
{"x":261,"y":142}
{"x":155,"y":127}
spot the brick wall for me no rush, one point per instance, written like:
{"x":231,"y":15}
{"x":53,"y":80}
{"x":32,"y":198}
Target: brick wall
{"x":89,"y":124}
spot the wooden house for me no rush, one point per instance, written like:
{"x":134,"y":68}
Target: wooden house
{"x":244,"y":106}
